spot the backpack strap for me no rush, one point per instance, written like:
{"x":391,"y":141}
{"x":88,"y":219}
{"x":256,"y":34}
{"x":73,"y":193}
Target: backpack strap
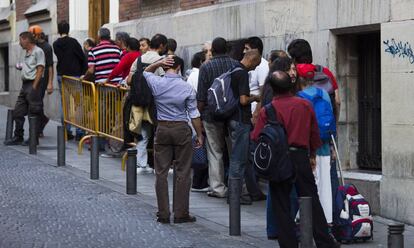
{"x":319,"y":92}
{"x":271,"y":113}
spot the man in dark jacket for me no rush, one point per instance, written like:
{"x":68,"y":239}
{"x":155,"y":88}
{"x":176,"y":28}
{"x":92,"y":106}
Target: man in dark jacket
{"x":71,"y":61}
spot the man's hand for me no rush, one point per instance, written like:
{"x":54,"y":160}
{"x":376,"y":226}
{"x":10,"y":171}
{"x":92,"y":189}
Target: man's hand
{"x":49,"y":89}
{"x":200,"y":141}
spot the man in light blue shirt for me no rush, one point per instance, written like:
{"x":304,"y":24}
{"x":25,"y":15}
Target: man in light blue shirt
{"x":175,"y":101}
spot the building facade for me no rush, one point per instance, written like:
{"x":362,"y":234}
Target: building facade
{"x":367,"y":44}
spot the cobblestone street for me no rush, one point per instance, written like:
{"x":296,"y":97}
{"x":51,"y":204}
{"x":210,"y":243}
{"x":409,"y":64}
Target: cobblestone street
{"x":44,"y":206}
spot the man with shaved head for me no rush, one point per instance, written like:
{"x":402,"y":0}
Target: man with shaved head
{"x":299,"y":120}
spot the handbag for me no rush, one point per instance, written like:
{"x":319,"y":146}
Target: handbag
{"x":199,"y":155}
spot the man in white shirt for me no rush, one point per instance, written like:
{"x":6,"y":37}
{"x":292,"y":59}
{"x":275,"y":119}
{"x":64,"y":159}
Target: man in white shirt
{"x":257,"y":79}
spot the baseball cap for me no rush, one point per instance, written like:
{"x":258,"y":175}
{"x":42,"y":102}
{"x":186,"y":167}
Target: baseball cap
{"x":306,"y":70}
{"x":35,"y":29}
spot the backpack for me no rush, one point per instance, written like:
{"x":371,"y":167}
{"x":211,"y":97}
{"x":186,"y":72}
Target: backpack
{"x":140,"y":93}
{"x":324,"y":114}
{"x":271,"y":156}
{"x":352,"y":216}
{"x":267,"y":96}
{"x":322,"y":81}
{"x":220,"y":96}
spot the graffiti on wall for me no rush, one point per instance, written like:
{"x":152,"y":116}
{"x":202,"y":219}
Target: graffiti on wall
{"x":399,"y":49}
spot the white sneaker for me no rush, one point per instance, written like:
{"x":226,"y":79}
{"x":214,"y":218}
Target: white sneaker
{"x":141,"y":170}
{"x":148,"y":169}
{"x":199,"y":190}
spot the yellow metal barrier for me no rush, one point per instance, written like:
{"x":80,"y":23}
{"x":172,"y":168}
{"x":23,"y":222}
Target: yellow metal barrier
{"x":95,"y":108}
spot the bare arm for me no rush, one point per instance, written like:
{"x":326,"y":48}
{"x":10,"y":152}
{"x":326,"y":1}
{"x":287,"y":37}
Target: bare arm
{"x":50,"y":81}
{"x":90,"y":72}
{"x":198,"y":128}
{"x":337,"y":104}
{"x":39,"y":74}
{"x":245,"y":100}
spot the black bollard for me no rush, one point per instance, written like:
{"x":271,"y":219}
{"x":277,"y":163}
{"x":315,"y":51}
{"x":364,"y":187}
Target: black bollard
{"x":234,"y":206}
{"x":95,"y":158}
{"x":9,"y":125}
{"x":306,"y":233}
{"x":33,"y":134}
{"x":395,"y":235}
{"x":131,"y":173}
{"x":61,"y":151}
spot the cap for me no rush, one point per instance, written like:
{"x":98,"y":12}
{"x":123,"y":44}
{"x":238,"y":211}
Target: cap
{"x":35,"y":29}
{"x":306,"y":70}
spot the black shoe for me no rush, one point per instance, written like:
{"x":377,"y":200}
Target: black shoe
{"x":78,"y":137}
{"x":26,"y":142}
{"x":186,"y":219}
{"x":244,"y":200}
{"x":163,"y":220}
{"x":70,"y":136}
{"x":14,"y":141}
{"x":261,"y":197}
{"x":272,"y":237}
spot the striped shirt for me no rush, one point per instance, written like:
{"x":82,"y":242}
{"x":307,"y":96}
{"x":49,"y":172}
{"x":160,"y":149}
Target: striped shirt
{"x":105,"y":56}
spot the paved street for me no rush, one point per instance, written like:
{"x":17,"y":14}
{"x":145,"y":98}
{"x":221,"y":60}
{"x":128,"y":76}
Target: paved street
{"x":45,"y":206}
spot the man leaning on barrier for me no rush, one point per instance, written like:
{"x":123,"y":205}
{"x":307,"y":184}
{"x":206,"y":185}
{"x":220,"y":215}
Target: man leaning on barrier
{"x":175,"y":101}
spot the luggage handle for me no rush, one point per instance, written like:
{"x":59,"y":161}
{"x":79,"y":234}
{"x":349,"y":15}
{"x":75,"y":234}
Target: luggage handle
{"x":339,"y":161}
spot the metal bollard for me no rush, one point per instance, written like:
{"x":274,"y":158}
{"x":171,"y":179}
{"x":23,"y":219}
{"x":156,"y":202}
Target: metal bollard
{"x":9,"y":125}
{"x":395,"y":235}
{"x":131,"y":172}
{"x":33,"y":134}
{"x":95,"y":158}
{"x":234,"y":206}
{"x":61,"y":151}
{"x":306,"y":233}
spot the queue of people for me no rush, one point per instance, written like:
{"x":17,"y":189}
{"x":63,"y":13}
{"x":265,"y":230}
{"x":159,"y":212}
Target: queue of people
{"x":179,"y":117}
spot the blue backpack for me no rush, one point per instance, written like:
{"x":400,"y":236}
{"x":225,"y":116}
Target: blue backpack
{"x":220,"y":96}
{"x":324,"y":114}
{"x":271,"y":156}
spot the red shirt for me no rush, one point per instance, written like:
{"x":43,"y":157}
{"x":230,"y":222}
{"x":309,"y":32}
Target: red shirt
{"x":331,"y":76}
{"x":123,"y":67}
{"x":298,"y":118}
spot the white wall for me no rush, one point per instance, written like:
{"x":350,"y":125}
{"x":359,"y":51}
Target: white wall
{"x":78,"y":15}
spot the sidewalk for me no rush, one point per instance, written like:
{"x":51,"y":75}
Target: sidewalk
{"x":211,"y":212}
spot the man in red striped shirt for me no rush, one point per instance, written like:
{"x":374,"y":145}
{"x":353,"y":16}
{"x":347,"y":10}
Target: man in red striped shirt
{"x":103,"y":58}
{"x":124,"y":66}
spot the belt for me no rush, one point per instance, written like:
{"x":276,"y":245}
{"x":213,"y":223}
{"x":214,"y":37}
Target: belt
{"x":297,"y":149}
{"x":171,"y":122}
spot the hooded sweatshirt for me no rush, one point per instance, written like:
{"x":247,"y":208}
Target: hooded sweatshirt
{"x":70,"y":56}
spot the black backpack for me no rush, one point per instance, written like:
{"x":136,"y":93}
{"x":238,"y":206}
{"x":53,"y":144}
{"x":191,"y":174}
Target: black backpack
{"x":140,"y":93}
{"x":271,"y":156}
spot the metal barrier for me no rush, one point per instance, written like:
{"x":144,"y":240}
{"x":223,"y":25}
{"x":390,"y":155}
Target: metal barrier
{"x":95,"y":108}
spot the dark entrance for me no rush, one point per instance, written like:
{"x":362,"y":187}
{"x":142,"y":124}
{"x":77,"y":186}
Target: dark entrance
{"x":4,"y":53}
{"x":369,"y":101}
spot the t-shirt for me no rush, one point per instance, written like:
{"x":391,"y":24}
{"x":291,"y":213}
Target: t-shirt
{"x":193,"y":78}
{"x":240,"y":86}
{"x":71,"y":60}
{"x":257,"y":79}
{"x":105,"y":56}
{"x":149,"y":58}
{"x":47,"y":50}
{"x":31,"y":60}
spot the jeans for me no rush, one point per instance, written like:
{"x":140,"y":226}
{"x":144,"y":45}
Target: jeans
{"x":146,"y":133}
{"x":239,"y":135}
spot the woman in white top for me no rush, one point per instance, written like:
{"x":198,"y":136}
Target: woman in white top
{"x":196,"y":62}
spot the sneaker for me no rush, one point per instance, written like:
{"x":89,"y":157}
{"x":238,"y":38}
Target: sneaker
{"x":163,"y":220}
{"x":141,"y":170}
{"x":149,"y":170}
{"x":70,"y":136}
{"x":199,"y":190}
{"x":261,"y":197}
{"x":107,"y":155}
{"x":215,"y":194}
{"x":14,"y":141}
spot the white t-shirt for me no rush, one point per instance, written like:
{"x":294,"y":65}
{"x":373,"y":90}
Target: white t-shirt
{"x":193,"y":78}
{"x":257,"y":79}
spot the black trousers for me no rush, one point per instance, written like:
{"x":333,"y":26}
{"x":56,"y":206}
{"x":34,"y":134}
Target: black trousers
{"x":29,"y":102}
{"x":305,"y":186}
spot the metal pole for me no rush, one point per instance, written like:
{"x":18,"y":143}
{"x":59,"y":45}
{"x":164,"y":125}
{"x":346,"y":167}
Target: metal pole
{"x":33,"y":135}
{"x":395,"y":235}
{"x":61,"y":156}
{"x":131,"y":172}
{"x":306,"y":233}
{"x":95,"y":158}
{"x":234,"y":206}
{"x":9,"y":125}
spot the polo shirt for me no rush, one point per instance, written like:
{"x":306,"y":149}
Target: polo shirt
{"x":32,"y":59}
{"x":105,"y":56}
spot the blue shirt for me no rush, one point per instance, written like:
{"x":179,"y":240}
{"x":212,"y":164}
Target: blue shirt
{"x":174,"y":98}
{"x":324,"y":150}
